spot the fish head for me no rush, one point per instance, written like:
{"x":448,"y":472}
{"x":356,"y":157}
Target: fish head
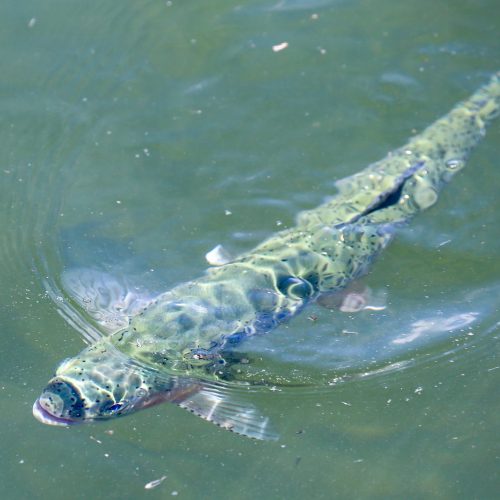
{"x":99,"y":384}
{"x":102,"y":383}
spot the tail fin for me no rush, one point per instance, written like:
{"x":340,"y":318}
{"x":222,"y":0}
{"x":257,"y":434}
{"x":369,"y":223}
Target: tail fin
{"x":451,"y":138}
{"x":408,"y":180}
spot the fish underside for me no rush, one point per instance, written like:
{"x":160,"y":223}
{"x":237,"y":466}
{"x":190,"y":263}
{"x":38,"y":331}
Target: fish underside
{"x":178,"y":346}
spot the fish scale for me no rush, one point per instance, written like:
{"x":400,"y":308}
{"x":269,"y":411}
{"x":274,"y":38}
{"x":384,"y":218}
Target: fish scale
{"x":178,"y":346}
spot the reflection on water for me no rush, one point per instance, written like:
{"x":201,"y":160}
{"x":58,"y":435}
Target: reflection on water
{"x":436,"y":325}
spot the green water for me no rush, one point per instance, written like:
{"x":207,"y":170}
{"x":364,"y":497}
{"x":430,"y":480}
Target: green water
{"x":136,"y":136}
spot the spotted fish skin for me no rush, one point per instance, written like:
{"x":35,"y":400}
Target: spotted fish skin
{"x":331,"y":245}
{"x":183,"y":337}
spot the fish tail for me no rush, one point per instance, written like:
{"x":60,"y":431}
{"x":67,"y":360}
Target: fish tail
{"x":443,"y":148}
{"x":486,"y":101}
{"x":451,"y":138}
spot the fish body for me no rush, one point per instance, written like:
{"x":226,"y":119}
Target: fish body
{"x":177,"y":346}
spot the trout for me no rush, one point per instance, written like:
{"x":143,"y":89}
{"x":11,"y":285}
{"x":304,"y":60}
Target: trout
{"x":177,"y":346}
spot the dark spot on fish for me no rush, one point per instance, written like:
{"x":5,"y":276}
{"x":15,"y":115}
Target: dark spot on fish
{"x":313,"y":279}
{"x":235,"y":338}
{"x":294,"y":287}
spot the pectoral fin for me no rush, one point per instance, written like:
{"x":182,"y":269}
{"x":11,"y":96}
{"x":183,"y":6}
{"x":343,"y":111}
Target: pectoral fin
{"x":354,"y":298}
{"x":218,"y":256}
{"x":108,"y":300}
{"x":216,"y":405}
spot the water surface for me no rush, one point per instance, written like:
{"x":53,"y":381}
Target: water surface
{"x":136,"y":137}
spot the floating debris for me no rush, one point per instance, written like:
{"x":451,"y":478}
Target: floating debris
{"x":280,"y":46}
{"x":155,"y":483}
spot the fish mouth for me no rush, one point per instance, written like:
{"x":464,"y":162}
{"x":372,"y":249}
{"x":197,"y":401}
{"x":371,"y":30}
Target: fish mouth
{"x":42,"y":415}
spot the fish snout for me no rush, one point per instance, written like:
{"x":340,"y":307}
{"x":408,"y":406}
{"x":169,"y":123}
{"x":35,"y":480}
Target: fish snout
{"x":59,"y":404}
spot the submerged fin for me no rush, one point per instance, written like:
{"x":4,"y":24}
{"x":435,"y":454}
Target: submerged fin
{"x":109,"y":301}
{"x":218,"y":256}
{"x":354,"y":298}
{"x":215,"y":405}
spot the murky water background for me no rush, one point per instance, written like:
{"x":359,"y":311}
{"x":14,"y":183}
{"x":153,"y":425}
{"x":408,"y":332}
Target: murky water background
{"x":136,"y":136}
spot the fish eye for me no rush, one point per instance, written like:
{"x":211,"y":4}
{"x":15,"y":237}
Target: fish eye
{"x":115,"y":407}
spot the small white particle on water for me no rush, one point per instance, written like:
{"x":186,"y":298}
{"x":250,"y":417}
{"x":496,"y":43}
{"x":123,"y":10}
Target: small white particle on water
{"x":314,"y":16}
{"x":109,"y":132}
{"x":494,"y":368}
{"x":21,"y":461}
{"x":174,"y":493}
{"x":228,"y":212}
{"x":146,"y":151}
{"x":280,"y":46}
{"x":106,"y":455}
{"x":154,"y":483}
{"x":418,"y":390}
{"x":322,"y":51}
{"x":283,"y":446}
{"x":442,"y":244}
{"x":32,"y":22}
{"x":358,"y":461}
{"x":85,"y":99}
{"x":279,"y":223}
{"x":137,"y":155}
{"x":346,"y":403}
{"x":118,"y":202}
{"x":169,"y":3}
